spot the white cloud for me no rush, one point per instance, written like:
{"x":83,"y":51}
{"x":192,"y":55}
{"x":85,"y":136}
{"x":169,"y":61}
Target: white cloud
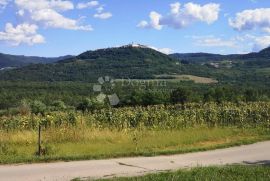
{"x":143,"y":24}
{"x":261,"y":43}
{"x":47,"y":12}
{"x":3,"y":3}
{"x":257,"y":42}
{"x":162,"y":50}
{"x":175,"y":8}
{"x":154,"y":21}
{"x":212,"y":41}
{"x":89,"y":4}
{"x":165,"y":50}
{"x":182,"y":17}
{"x":252,"y":19}
{"x":22,"y":33}
{"x":105,"y":15}
{"x":206,"y":13}
{"x":51,"y":18}
{"x":241,"y":43}
{"x":58,"y":5}
{"x":21,"y":12}
{"x":100,"y":9}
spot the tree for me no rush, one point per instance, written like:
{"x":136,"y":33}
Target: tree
{"x":219,"y":95}
{"x":180,"y":95}
{"x":24,"y":107}
{"x":208,"y":96}
{"x":38,"y":107}
{"x":251,"y":95}
{"x":59,"y":105}
{"x":88,"y":104}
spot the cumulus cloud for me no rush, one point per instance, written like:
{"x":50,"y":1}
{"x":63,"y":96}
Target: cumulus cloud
{"x":105,"y":15}
{"x":51,"y":18}
{"x":175,"y":8}
{"x":89,"y":4}
{"x":252,"y":19}
{"x":261,"y":43}
{"x":257,"y":42}
{"x":207,"y":13}
{"x":48,"y":13}
{"x":154,"y":21}
{"x":22,"y":33}
{"x":182,"y":17}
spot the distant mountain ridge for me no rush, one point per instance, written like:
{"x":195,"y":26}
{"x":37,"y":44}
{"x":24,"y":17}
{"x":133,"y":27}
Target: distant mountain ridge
{"x":7,"y":60}
{"x":206,"y":57}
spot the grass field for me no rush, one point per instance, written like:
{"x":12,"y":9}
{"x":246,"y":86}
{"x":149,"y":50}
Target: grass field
{"x":195,"y":79}
{"x":228,"y":173}
{"x":173,"y":78}
{"x":78,"y":143}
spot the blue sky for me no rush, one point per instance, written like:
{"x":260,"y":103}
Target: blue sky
{"x":58,"y":27}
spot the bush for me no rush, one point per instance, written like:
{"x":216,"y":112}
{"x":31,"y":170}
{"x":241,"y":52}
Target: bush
{"x":180,"y":95}
{"x":89,"y":105}
{"x":58,"y":106}
{"x":38,"y":107}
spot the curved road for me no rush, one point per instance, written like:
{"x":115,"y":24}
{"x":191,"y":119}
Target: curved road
{"x":258,"y":153}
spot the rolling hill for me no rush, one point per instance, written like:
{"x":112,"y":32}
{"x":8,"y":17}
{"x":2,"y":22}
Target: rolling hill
{"x":7,"y":60}
{"x":123,"y":62}
{"x":141,"y":62}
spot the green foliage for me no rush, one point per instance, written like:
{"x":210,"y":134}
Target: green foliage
{"x":244,"y":115}
{"x":24,"y":107}
{"x":38,"y":107}
{"x":228,"y":173}
{"x":6,"y":150}
{"x":83,"y":143}
{"x":140,"y":97}
{"x":251,"y":95}
{"x":16,"y":96}
{"x":121,"y":62}
{"x":59,"y":106}
{"x":180,"y":95}
{"x":89,"y":105}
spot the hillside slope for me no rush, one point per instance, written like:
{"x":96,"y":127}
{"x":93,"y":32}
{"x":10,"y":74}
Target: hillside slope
{"x":122,"y":62}
{"x":7,"y":60}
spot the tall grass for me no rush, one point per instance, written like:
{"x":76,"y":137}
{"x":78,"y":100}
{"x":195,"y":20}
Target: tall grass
{"x":89,"y":143}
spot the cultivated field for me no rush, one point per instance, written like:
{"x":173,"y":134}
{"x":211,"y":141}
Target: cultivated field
{"x":132,"y":131}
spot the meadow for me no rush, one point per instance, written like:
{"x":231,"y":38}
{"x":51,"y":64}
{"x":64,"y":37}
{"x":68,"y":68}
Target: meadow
{"x":131,"y":131}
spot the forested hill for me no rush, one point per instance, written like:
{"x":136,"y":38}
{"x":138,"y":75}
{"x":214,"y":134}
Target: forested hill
{"x":7,"y":60}
{"x":122,"y":62}
{"x":141,"y":62}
